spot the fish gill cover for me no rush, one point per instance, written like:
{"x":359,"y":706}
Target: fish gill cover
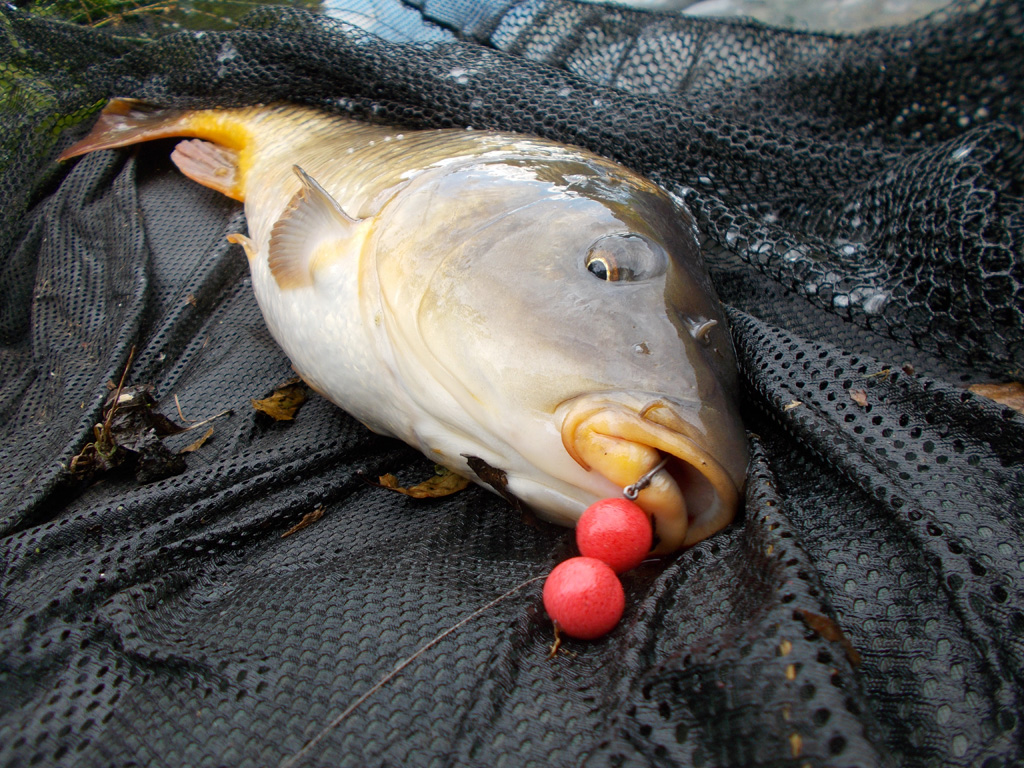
{"x":860,"y":200}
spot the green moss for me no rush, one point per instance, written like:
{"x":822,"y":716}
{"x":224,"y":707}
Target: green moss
{"x":153,"y":19}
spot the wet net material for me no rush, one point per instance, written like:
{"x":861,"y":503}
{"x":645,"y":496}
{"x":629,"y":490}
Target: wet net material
{"x":860,"y":200}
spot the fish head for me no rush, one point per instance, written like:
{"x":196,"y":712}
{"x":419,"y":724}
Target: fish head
{"x":555,"y":311}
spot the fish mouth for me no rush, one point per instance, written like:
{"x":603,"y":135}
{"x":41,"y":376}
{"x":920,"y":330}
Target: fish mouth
{"x":692,"y":497}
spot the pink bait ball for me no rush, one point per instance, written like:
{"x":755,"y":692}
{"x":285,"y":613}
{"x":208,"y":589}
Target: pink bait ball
{"x":616,"y":532}
{"x":584,"y":597}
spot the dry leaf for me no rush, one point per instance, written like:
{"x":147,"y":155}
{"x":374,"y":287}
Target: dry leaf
{"x":860,"y":397}
{"x":443,"y":483}
{"x":791,"y":405}
{"x":198,"y":443}
{"x":130,"y":435}
{"x":284,"y":402}
{"x":1010,"y":394}
{"x":828,"y":629}
{"x":498,"y":480}
{"x":308,"y":519}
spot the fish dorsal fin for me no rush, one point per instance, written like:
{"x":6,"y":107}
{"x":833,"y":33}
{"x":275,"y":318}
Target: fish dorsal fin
{"x":312,"y":231}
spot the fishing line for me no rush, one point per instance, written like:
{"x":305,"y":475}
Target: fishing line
{"x":294,"y":759}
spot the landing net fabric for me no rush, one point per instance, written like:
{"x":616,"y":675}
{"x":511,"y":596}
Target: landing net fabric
{"x":860,"y":200}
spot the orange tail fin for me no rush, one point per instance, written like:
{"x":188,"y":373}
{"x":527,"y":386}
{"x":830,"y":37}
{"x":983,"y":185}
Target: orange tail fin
{"x":127,"y":121}
{"x":212,"y":162}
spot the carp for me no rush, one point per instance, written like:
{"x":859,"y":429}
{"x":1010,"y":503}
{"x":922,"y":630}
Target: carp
{"x":511,"y":306}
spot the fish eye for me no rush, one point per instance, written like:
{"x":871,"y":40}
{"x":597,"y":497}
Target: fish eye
{"x":625,"y":258}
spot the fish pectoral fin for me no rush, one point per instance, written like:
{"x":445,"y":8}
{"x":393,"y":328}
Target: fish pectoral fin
{"x":313,"y":231}
{"x":212,"y":165}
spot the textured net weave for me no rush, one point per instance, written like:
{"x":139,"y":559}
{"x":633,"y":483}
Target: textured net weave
{"x":860,"y":199}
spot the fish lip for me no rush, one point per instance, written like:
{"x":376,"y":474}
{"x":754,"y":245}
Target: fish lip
{"x":709,"y":503}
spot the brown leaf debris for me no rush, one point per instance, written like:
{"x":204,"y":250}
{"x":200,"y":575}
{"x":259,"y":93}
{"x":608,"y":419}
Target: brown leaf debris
{"x":131,"y":435}
{"x":1010,"y":394}
{"x":443,"y":483}
{"x":284,"y":402}
{"x":198,"y":443}
{"x":828,"y":629}
{"x":308,"y":519}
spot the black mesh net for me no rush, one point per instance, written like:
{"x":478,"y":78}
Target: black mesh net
{"x":861,"y":202}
